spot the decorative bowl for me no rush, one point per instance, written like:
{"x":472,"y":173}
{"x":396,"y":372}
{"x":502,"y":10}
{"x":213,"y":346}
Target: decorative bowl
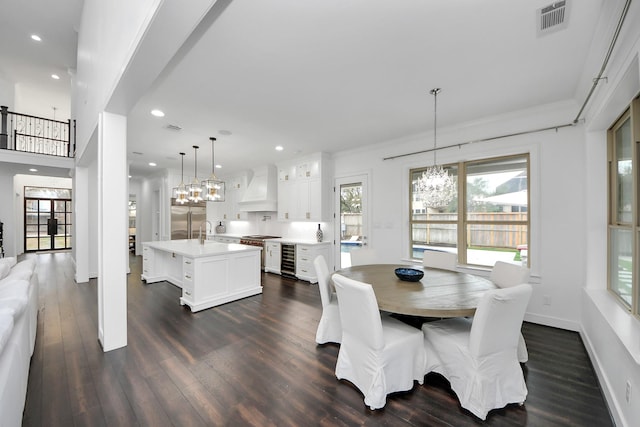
{"x":409,"y":274}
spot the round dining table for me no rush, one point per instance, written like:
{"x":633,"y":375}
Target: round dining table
{"x":440,"y":293}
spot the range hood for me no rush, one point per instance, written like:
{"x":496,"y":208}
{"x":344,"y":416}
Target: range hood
{"x":262,"y":191}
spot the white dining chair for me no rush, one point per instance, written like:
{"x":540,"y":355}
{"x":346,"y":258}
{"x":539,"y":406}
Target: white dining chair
{"x":505,"y":275}
{"x":362,"y":256}
{"x":329,"y":327}
{"x":379,"y":355}
{"x":479,"y":355}
{"x":439,"y":259}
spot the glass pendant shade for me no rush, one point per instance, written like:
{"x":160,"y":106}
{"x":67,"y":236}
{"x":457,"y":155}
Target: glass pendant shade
{"x":195,"y":189}
{"x":213,"y":187}
{"x":437,"y":187}
{"x":180,"y":193}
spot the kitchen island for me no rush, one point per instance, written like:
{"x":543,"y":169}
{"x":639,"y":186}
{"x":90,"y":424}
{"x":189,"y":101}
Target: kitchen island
{"x":209,"y":275}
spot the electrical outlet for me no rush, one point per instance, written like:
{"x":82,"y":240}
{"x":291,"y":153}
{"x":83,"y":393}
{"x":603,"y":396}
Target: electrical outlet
{"x":546,"y":300}
{"x":628,"y":392}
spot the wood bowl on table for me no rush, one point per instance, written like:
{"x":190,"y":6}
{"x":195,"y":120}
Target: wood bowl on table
{"x":409,"y":274}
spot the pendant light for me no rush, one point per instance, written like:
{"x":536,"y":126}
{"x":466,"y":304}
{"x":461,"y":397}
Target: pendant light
{"x":436,"y":186}
{"x":180,"y":192}
{"x":213,"y":187}
{"x":195,"y":190}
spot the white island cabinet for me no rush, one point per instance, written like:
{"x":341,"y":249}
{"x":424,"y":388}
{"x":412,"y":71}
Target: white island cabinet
{"x":209,"y":274}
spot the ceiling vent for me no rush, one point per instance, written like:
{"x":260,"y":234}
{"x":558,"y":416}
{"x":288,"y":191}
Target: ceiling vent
{"x":173,"y":127}
{"x":552,"y":18}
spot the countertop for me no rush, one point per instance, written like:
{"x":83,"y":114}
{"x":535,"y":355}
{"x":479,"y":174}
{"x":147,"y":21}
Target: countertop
{"x":193,"y":248}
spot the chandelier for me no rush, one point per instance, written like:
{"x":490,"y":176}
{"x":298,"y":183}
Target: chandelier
{"x":180,"y":193}
{"x":195,"y":190}
{"x":436,"y":187}
{"x":213,"y":187}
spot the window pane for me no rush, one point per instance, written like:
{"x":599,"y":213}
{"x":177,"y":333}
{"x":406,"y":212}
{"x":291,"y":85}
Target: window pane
{"x":497,"y":187}
{"x":32,"y":230}
{"x":45,"y":243}
{"x":620,"y":263}
{"x":488,"y":243}
{"x":47,"y":193}
{"x":32,"y":244}
{"x":624,"y":172}
{"x":31,"y":205}
{"x":433,"y":236}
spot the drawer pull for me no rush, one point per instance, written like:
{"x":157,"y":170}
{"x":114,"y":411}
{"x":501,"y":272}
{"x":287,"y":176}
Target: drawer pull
{"x":188,"y":262}
{"x":187,"y":276}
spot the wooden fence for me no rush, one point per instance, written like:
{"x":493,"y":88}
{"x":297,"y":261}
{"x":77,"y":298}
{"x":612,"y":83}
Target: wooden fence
{"x":480,"y":235}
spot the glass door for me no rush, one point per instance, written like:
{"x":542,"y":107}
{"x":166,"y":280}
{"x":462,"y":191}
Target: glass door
{"x":353,"y":229}
{"x":47,"y":224}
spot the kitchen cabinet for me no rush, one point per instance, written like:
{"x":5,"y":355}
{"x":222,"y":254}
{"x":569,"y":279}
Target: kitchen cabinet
{"x":235,"y":189}
{"x":226,"y":239}
{"x":305,"y":189}
{"x":305,"y":254}
{"x":272,"y":258}
{"x":229,"y":210}
{"x":209,"y":274}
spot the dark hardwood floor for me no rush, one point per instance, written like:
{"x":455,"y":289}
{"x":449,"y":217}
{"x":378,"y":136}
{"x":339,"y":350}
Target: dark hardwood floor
{"x":253,"y":362}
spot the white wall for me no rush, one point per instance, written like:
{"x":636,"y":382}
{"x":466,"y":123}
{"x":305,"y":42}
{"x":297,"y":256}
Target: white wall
{"x":609,"y":331}
{"x":7,"y":93}
{"x":556,"y":245}
{"x":7,"y":215}
{"x":40,"y":101}
{"x":93,"y":219}
{"x":107,"y":39}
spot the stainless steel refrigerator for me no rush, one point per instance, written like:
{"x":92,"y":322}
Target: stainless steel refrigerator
{"x":186,"y":220}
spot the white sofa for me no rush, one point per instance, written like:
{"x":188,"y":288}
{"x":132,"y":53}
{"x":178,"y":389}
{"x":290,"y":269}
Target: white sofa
{"x":18,"y":323}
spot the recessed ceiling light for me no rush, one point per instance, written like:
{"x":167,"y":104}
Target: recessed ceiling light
{"x":55,"y":77}
{"x":279,"y":148}
{"x":152,"y":164}
{"x":36,"y":37}
{"x":33,"y":170}
{"x":157,"y":113}
{"x":218,"y":166}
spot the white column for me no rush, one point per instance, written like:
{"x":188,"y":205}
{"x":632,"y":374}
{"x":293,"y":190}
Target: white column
{"x":112,"y":241}
{"x":81,"y":223}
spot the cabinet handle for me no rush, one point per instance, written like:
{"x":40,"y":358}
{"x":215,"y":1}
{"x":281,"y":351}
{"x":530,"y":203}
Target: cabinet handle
{"x":308,"y":174}
{"x":187,"y":293}
{"x":187,"y":276}
{"x":308,"y":215}
{"x":304,"y":271}
{"x":188,"y":262}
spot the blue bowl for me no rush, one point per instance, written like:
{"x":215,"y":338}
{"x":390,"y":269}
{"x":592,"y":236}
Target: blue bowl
{"x":409,"y":274}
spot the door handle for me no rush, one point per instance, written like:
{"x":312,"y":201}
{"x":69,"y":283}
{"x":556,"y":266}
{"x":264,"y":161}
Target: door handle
{"x":52,"y":226}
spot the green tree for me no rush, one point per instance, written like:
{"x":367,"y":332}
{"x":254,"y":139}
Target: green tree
{"x":351,"y":199}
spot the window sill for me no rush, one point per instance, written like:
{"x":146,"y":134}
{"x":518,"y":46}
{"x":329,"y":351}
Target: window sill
{"x":622,"y":322}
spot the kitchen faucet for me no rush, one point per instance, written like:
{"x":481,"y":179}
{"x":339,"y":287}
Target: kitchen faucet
{"x":200,"y":237}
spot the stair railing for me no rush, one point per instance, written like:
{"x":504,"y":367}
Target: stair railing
{"x":32,"y":134}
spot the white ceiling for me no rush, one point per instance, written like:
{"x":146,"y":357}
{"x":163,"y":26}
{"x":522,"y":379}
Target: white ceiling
{"x":335,"y":74}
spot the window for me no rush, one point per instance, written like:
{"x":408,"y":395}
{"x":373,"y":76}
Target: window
{"x":486,"y":222}
{"x":624,"y":226}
